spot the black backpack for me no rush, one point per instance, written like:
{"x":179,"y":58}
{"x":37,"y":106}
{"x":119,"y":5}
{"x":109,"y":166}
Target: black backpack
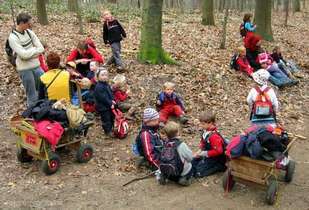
{"x":233,"y":62}
{"x":242,"y":30}
{"x":170,"y":161}
{"x":11,"y":55}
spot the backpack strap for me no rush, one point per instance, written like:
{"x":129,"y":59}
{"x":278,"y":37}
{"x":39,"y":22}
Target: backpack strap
{"x":29,"y":36}
{"x":53,"y":79}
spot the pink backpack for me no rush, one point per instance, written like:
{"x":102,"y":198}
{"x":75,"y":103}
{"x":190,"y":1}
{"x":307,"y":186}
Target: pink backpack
{"x":121,"y":126}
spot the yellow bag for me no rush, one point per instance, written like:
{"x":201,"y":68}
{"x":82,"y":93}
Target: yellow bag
{"x":76,"y":116}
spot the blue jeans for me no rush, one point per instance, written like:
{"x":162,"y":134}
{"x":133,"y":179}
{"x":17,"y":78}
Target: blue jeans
{"x":277,"y":77}
{"x":31,"y":80}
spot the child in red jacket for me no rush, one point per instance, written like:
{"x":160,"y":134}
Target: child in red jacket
{"x":210,"y":158}
{"x":170,"y":104}
{"x":243,"y":63}
{"x":121,"y":94}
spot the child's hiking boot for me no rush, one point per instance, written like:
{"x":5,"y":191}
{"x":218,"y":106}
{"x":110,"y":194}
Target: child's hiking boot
{"x":183,"y":119}
{"x":184,"y":181}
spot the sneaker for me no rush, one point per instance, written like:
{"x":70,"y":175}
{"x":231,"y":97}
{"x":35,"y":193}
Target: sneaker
{"x":184,"y":181}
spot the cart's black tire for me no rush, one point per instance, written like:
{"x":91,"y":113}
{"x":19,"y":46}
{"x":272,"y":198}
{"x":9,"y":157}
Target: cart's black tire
{"x":289,"y":171}
{"x":22,"y":155}
{"x":50,"y":167}
{"x":227,"y":181}
{"x":272,"y":190}
{"x":84,"y":153}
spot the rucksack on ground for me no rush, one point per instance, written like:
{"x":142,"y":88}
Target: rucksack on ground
{"x":262,"y":105}
{"x":233,"y":62}
{"x":170,"y":161}
{"x":121,"y":126}
{"x":242,"y":30}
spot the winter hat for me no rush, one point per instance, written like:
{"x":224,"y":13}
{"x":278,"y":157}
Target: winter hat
{"x":263,"y":58}
{"x":150,"y":114}
{"x":119,"y":79}
{"x":101,"y":70}
{"x":261,"y":76}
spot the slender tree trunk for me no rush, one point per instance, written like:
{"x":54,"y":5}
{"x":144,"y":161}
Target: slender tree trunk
{"x":41,"y":12}
{"x":79,"y":17}
{"x":13,"y":13}
{"x":226,"y":16}
{"x":296,"y":5}
{"x":286,"y":8}
{"x":263,"y":19}
{"x":150,"y":50}
{"x":112,"y":1}
{"x":72,"y":5}
{"x":208,"y":12}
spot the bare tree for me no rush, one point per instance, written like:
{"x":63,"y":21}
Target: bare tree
{"x":208,"y":12}
{"x":286,"y":8}
{"x":226,"y":16}
{"x":41,"y":12}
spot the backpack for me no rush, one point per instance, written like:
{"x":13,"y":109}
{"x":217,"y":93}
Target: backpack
{"x":242,"y":30}
{"x":121,"y":126}
{"x":233,"y":62}
{"x":11,"y":55}
{"x":170,"y":161}
{"x":262,"y":105}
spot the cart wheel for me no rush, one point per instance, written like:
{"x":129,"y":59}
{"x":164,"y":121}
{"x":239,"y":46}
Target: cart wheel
{"x":53,"y":165}
{"x":84,"y":153}
{"x":271,"y":193}
{"x":22,"y":155}
{"x":289,"y":171}
{"x":228,"y":181}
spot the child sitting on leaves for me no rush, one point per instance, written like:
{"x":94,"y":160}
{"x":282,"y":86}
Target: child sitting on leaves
{"x":210,"y":158}
{"x":243,"y":63}
{"x":169,"y":104}
{"x":104,"y":100}
{"x":177,"y":168}
{"x":121,"y":94}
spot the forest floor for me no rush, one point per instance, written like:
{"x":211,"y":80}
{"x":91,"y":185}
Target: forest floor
{"x":203,"y":79}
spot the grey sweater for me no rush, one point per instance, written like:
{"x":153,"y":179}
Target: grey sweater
{"x":186,"y":157}
{"x":27,"y":48}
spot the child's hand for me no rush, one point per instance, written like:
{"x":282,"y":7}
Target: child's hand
{"x":113,"y":106}
{"x":158,"y":102}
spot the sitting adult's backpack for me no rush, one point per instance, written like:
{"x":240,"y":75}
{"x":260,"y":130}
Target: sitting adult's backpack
{"x":121,"y":126}
{"x":170,"y":161}
{"x":242,"y":30}
{"x":233,"y":62}
{"x":262,"y":105}
{"x":11,"y":55}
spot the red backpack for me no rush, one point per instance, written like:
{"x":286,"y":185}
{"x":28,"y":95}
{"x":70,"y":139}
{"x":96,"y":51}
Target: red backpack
{"x":121,"y":126}
{"x":262,"y":105}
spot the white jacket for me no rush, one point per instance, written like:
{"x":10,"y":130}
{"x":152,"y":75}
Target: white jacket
{"x":27,"y":48}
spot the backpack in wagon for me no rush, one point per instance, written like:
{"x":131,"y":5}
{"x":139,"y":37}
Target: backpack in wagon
{"x":121,"y":126}
{"x":242,"y":30}
{"x":262,"y":105}
{"x":233,"y":62}
{"x":170,"y":161}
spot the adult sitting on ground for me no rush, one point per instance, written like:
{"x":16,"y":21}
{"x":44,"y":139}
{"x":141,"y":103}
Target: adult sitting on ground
{"x":253,"y":46}
{"x":55,"y":83}
{"x":27,"y":47}
{"x":83,"y":55}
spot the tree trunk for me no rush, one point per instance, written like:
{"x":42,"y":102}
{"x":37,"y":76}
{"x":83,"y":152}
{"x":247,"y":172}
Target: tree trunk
{"x":262,"y":19}
{"x":41,"y":12}
{"x":79,"y":17}
{"x":296,"y":5}
{"x":112,"y":1}
{"x":208,"y":13}
{"x":150,"y":50}
{"x":286,"y":8}
{"x":221,"y":5}
{"x":72,"y":5}
{"x":226,"y":16}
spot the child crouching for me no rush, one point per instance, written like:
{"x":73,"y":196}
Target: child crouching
{"x":176,"y":157}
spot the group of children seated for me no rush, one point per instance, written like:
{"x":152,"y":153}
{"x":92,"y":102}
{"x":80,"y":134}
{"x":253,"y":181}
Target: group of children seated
{"x":252,"y":57}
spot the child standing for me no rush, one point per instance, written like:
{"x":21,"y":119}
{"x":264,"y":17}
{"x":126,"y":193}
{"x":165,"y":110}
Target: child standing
{"x":262,"y":100}
{"x":148,"y":141}
{"x":182,"y":158}
{"x":210,"y":158}
{"x":247,"y":23}
{"x":113,"y":33}
{"x":170,"y":104}
{"x":104,"y":101}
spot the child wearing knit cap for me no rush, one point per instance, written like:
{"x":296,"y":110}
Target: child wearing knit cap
{"x":104,"y":100}
{"x":148,"y":141}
